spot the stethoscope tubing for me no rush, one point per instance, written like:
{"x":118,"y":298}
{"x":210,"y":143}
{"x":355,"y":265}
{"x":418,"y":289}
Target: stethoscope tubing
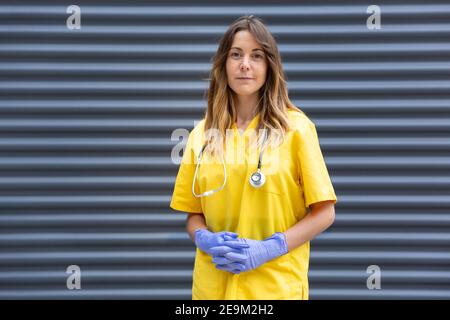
{"x":257,"y":179}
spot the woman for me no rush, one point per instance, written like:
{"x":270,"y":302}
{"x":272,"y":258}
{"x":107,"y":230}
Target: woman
{"x":250,"y":171}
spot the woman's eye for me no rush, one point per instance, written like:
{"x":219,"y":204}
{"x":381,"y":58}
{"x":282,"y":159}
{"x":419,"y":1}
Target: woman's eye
{"x":258,"y":56}
{"x":234,"y":54}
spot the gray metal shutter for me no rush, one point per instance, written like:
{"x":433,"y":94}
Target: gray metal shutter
{"x":85,"y":123}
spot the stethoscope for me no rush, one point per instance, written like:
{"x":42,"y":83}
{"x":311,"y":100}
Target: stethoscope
{"x":257,"y":179}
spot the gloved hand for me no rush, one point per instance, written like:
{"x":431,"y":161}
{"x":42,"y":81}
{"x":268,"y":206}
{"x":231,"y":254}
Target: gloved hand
{"x":218,"y":254}
{"x":223,"y":263}
{"x":258,"y":253}
{"x":205,"y":239}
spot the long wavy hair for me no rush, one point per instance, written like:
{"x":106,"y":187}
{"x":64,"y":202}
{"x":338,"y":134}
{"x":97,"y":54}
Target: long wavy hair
{"x":274,"y":102}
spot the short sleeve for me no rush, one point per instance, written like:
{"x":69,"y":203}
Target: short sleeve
{"x":182,"y":197}
{"x":313,"y":173}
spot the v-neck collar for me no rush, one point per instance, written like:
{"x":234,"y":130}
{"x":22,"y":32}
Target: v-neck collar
{"x":252,"y":125}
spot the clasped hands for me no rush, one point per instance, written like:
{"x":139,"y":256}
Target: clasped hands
{"x":236,"y":255}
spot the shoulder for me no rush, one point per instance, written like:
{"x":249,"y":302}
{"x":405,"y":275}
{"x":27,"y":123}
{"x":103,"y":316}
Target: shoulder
{"x":195,"y":140}
{"x":299,"y":121}
{"x":199,"y":127}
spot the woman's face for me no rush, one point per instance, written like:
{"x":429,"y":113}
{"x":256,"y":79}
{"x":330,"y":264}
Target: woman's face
{"x":246,"y":65}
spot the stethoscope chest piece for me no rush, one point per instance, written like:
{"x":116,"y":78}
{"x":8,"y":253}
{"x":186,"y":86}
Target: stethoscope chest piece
{"x":257,"y":179}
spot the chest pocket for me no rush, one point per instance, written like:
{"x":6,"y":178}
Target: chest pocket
{"x":280,"y":171}
{"x":273,"y":185}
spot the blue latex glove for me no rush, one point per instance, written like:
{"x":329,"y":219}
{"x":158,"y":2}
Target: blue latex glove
{"x":205,"y":239}
{"x":218,"y":254}
{"x":223,"y":263}
{"x":258,"y":253}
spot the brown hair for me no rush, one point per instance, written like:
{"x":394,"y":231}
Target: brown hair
{"x":274,"y":101}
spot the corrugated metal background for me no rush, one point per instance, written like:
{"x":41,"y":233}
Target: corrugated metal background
{"x":86,"y":118}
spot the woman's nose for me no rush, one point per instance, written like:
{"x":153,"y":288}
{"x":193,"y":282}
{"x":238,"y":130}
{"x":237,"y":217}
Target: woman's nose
{"x":244,"y":66}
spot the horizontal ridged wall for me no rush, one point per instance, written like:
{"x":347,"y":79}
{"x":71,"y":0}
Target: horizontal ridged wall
{"x":86,"y":118}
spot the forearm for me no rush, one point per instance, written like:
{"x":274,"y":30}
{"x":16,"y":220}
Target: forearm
{"x":195,"y":221}
{"x":314,"y":223}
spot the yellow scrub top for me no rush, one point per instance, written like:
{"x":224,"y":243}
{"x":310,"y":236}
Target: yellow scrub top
{"x":296,"y":177}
